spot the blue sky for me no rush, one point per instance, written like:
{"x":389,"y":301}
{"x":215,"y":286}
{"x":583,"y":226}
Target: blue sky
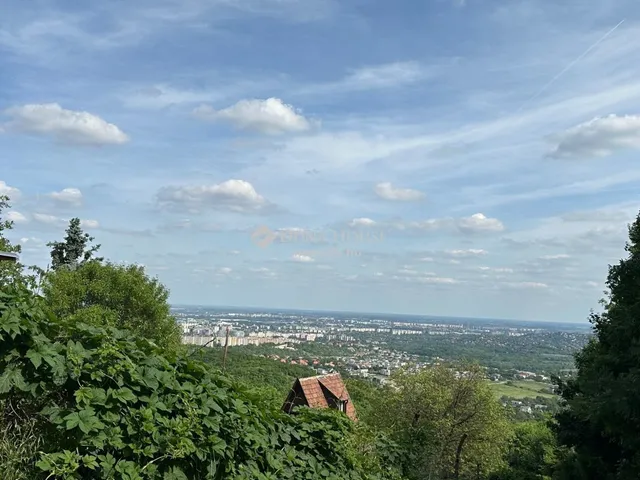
{"x":452,"y":157}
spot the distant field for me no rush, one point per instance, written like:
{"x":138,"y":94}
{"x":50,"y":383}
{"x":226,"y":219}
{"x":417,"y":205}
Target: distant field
{"x":520,"y":389}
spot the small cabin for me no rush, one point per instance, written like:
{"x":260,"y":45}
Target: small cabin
{"x":8,"y":257}
{"x":323,"y":391}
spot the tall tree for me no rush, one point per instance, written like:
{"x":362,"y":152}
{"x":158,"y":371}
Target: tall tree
{"x":448,"y":424}
{"x":75,"y":248}
{"x":601,"y":419}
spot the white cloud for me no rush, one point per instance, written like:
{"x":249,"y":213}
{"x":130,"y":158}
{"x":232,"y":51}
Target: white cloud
{"x":527,"y":285}
{"x":599,"y":137}
{"x":47,"y":219}
{"x":387,"y":191}
{"x":560,"y":256}
{"x":478,"y":222}
{"x":362,"y":222}
{"x":472,"y":252}
{"x":496,"y":269}
{"x":15,"y":217}
{"x":6,"y":190}
{"x":68,"y":196}
{"x":385,"y":76}
{"x":298,"y":257}
{"x":232,"y":195}
{"x":598,"y":216}
{"x":67,"y":126}
{"x":89,"y":224}
{"x":270,"y":116}
{"x":53,"y":220}
{"x":437,"y":280}
{"x":423,"y":225}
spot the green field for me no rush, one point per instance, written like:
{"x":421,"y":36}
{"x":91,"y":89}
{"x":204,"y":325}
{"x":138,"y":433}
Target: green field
{"x":521,"y":389}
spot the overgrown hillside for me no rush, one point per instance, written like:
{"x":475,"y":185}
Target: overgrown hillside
{"x":103,"y":403}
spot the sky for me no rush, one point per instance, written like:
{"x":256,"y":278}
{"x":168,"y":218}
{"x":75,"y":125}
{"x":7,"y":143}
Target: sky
{"x":473,"y":158}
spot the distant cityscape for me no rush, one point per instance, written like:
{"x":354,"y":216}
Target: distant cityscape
{"x":370,"y":346}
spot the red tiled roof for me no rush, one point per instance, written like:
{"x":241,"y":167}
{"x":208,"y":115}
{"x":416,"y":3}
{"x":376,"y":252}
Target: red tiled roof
{"x":317,"y":398}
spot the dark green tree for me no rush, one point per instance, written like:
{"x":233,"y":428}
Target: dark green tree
{"x":601,"y":418}
{"x":75,"y":249}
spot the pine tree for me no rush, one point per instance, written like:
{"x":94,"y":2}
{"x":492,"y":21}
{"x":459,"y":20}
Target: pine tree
{"x":74,"y":249}
{"x":602,"y":416}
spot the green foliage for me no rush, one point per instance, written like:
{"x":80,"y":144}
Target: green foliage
{"x":268,"y":380}
{"x":74,"y":250}
{"x":116,"y":295}
{"x":365,"y":396}
{"x":445,"y":423}
{"x":532,"y":453}
{"x":108,"y":405}
{"x":601,"y":419}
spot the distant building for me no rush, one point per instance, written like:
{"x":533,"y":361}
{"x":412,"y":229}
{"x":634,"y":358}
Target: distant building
{"x":8,"y":257}
{"x":324,"y":391}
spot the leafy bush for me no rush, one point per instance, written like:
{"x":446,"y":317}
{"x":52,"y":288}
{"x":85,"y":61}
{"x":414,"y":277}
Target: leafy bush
{"x":122,"y":296}
{"x":108,"y":405}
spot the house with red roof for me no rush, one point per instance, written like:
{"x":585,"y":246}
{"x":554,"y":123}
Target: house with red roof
{"x":323,"y":391}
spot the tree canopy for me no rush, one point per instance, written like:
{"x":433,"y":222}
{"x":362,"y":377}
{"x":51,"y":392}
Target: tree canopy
{"x":449,"y":426}
{"x":123,"y":296}
{"x":601,"y":420}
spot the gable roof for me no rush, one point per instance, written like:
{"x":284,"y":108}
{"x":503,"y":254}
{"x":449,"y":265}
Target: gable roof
{"x":322,"y":392}
{"x":12,"y":257}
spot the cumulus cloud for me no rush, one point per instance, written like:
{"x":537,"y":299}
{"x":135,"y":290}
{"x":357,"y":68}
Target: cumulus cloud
{"x":232,"y":195}
{"x":47,"y":219}
{"x":53,"y":220}
{"x":67,"y":126}
{"x":301,"y":258}
{"x":271,"y":116}
{"x":362,"y":222}
{"x":6,"y":190}
{"x":478,"y":222}
{"x":15,"y":217}
{"x":526,"y":285}
{"x":599,"y":137}
{"x":472,"y":252}
{"x":496,"y":269}
{"x":89,"y":224}
{"x":68,"y":196}
{"x":559,"y":256}
{"x":387,"y":191}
